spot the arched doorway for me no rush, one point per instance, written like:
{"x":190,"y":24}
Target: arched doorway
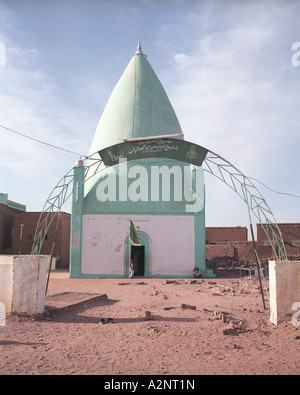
{"x":140,"y":256}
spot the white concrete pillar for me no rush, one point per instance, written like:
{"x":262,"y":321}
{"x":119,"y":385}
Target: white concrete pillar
{"x":284,"y":284}
{"x":23,"y":283}
{"x":6,"y":271}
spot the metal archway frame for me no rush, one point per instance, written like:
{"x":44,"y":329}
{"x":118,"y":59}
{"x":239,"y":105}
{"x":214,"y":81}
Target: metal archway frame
{"x":222,"y":169}
{"x":57,"y":198}
{"x":170,"y":148}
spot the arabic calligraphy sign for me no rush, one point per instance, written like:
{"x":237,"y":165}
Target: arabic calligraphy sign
{"x":170,"y":148}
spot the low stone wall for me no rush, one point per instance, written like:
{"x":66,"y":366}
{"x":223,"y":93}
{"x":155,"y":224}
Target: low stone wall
{"x":217,"y":250}
{"x":23,"y":282}
{"x":241,"y":251}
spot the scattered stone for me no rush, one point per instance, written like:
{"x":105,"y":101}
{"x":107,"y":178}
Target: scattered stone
{"x":192,"y":282}
{"x":188,"y":306}
{"x":170,"y":282}
{"x":219,"y":316}
{"x":229,"y":331}
{"x":237,"y":347}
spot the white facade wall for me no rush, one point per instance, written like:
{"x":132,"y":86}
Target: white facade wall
{"x":171,"y":243}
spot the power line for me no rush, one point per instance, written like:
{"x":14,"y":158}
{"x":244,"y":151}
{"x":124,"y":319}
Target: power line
{"x":41,"y":142}
{"x":272,"y":190}
{"x":84,"y":156}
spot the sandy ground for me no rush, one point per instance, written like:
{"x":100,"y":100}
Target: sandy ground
{"x":226,"y":332}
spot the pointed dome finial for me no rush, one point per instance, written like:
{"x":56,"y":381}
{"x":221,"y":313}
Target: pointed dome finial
{"x":139,"y":49}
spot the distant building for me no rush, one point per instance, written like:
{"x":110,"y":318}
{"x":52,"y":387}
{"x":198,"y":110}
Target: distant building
{"x":24,"y":232}
{"x":226,"y":235}
{"x":8,"y":209}
{"x":17,"y":231}
{"x":290,"y":234}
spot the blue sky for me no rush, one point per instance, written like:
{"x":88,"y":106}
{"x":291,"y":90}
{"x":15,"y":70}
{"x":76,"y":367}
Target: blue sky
{"x":225,"y":65}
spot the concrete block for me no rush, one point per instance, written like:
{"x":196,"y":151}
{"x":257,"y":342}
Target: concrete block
{"x":284,"y":284}
{"x":6,"y":266}
{"x":23,"y":282}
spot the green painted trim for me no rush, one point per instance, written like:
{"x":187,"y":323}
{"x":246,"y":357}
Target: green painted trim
{"x":209,"y":274}
{"x":76,"y":223}
{"x":108,"y":212}
{"x":199,"y":242}
{"x":171,"y":276}
{"x":83,"y":275}
{"x":199,"y":225}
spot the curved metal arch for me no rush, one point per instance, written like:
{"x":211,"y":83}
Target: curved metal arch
{"x":226,"y":172}
{"x":57,"y":198}
{"x":212,"y":163}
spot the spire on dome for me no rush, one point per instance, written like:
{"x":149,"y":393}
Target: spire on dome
{"x":139,"y":49}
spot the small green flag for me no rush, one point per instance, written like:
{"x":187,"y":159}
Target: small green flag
{"x":133,"y":236}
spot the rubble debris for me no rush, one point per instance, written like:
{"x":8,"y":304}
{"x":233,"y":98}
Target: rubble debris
{"x":148,"y":315}
{"x":188,"y":306}
{"x":230,"y":331}
{"x":170,"y":282}
{"x":231,"y":263}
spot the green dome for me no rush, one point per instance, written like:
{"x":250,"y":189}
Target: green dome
{"x":137,"y":107}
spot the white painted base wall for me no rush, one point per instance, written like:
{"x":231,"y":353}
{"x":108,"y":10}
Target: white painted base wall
{"x":22,"y":283}
{"x":171,"y":243}
{"x":284,"y":284}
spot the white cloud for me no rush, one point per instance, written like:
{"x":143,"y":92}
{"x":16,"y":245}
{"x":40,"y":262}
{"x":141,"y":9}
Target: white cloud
{"x":183,"y":60}
{"x":236,"y":94}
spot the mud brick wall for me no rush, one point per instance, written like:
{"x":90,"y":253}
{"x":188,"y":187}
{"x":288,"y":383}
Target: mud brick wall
{"x":218,"y":250}
{"x":242,"y":252}
{"x":226,"y":234}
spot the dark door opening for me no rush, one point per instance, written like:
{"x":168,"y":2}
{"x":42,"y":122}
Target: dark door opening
{"x":138,"y":260}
